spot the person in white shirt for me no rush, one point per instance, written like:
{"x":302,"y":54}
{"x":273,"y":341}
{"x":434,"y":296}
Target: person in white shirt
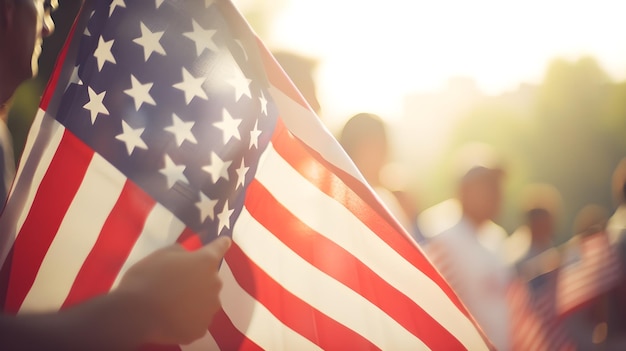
{"x":469,"y":254}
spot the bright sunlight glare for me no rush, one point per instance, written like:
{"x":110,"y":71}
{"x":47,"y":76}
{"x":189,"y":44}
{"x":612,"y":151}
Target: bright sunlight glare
{"x":373,"y":53}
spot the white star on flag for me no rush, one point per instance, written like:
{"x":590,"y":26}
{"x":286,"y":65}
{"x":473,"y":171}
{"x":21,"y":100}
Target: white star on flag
{"x":131,"y":138}
{"x":206,"y":206}
{"x":203,"y":38}
{"x":191,"y":86}
{"x":114,"y":5}
{"x":224,"y":217}
{"x":140,"y":93}
{"x":158,"y":3}
{"x":254,"y":136}
{"x":241,"y":174}
{"x":240,"y":83}
{"x":263,"y":101}
{"x":103,"y":53}
{"x":173,"y":172}
{"x":95,"y":104}
{"x":181,"y":130}
{"x":218,"y":168}
{"x":229,"y":126}
{"x":149,"y":41}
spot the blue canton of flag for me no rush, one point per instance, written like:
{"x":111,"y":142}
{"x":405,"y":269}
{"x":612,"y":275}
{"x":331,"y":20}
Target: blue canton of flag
{"x":166,"y":99}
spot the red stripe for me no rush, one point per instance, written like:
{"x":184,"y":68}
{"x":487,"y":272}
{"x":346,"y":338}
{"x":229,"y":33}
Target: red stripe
{"x":290,"y":309}
{"x":118,"y":236}
{"x":189,"y":239}
{"x":192,"y":243}
{"x":58,"y":66}
{"x":227,"y":336}
{"x":332,"y":181}
{"x":300,"y":156}
{"x":55,"y":194}
{"x":347,"y":269}
{"x":186,"y":235}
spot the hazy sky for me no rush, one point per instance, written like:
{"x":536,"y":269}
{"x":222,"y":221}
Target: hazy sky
{"x":374,"y":52}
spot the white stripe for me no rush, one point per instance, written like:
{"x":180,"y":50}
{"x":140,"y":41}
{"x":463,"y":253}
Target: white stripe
{"x":161,"y":229}
{"x":76,"y":236}
{"x":306,"y":126}
{"x":33,"y":134}
{"x":255,"y":321}
{"x":42,"y":167}
{"x":19,"y":203}
{"x":329,"y":218}
{"x":318,"y":289}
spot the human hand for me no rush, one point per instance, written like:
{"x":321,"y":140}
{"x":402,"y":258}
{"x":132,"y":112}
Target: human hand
{"x":177,"y":291}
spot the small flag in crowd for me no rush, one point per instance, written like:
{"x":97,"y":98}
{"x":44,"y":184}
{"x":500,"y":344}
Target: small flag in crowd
{"x":534,"y":324}
{"x":591,"y":269}
{"x":167,"y":120}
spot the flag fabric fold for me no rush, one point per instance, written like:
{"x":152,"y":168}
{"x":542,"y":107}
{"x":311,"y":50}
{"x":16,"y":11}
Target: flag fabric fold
{"x":169,"y":120}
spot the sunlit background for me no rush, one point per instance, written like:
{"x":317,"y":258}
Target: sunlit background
{"x":542,"y":81}
{"x":510,"y":73}
{"x":373,"y":53}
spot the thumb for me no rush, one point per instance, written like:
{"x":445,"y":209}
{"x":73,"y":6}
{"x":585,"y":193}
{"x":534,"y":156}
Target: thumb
{"x":216,"y":248}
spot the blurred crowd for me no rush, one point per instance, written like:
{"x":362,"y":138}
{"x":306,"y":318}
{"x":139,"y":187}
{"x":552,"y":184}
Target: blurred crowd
{"x":524,"y":289}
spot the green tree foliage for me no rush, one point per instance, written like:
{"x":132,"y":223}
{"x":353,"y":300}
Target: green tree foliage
{"x":573,"y":149}
{"x":613,"y":117}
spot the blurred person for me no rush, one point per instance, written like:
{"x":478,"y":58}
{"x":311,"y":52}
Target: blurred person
{"x":589,"y":276}
{"x":469,"y":253}
{"x":301,"y":71}
{"x":541,"y":206}
{"x":169,"y":297}
{"x":538,"y":265}
{"x":364,"y":138}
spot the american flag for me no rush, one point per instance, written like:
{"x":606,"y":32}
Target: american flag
{"x":169,"y":121}
{"x":591,"y":268}
{"x":534,"y":323}
{"x":527,"y":330}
